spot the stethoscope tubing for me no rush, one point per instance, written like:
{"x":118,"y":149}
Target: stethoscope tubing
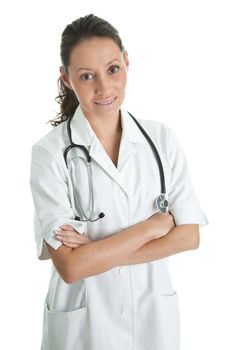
{"x":155,"y":151}
{"x":162,"y":203}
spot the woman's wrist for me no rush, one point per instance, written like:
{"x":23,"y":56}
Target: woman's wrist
{"x":149,"y":229}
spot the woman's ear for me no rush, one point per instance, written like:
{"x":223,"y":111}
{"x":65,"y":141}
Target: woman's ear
{"x":126,"y":59}
{"x":65,"y":78}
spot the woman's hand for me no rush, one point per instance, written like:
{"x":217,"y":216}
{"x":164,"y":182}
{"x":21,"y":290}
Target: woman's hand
{"x":161,"y":224}
{"x":70,"y":237}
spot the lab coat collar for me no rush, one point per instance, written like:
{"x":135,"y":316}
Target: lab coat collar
{"x":83,"y":134}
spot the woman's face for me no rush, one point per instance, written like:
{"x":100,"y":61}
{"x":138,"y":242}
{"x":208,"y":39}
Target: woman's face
{"x":97,"y":73}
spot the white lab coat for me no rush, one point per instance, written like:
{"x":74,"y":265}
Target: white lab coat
{"x":130,"y":307}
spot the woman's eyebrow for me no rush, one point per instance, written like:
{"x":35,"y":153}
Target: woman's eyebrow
{"x":107,"y":64}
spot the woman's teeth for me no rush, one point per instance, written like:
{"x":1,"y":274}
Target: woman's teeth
{"x":106,"y":103}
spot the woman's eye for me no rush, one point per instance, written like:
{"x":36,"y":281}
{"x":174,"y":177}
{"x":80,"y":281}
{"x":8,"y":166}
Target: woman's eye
{"x":86,"y":76}
{"x":114,"y":69}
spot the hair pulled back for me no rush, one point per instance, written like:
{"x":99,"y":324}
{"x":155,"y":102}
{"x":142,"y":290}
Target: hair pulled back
{"x":78,"y":31}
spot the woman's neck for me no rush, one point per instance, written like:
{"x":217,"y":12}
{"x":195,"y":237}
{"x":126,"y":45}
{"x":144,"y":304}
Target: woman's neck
{"x":107,"y":128}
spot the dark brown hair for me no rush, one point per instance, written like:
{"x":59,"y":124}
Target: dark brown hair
{"x":79,"y":30}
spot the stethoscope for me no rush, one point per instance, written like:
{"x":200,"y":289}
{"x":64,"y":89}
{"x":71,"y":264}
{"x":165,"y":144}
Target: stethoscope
{"x":161,"y":201}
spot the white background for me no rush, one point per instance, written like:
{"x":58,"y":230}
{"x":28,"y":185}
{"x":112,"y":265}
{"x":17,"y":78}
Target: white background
{"x":182,"y":74}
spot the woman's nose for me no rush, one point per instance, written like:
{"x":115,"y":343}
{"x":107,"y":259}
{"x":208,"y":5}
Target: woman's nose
{"x":101,"y":85}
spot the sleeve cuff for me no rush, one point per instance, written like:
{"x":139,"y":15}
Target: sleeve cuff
{"x":50,"y":238}
{"x":189,"y":214}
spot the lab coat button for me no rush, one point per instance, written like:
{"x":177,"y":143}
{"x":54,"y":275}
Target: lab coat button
{"x":124,"y":312}
{"x":123,"y":271}
{"x":120,"y":192}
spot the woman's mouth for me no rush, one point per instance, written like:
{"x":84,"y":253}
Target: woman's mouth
{"x":105,"y":103}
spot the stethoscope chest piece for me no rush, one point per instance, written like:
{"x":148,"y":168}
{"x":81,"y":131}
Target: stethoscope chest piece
{"x":162,"y":203}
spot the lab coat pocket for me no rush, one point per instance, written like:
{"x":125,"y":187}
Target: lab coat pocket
{"x":65,"y":330}
{"x":169,"y":321}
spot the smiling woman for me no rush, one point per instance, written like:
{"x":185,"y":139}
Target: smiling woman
{"x":110,"y":286}
{"x":82,"y":71}
{"x":99,"y":88}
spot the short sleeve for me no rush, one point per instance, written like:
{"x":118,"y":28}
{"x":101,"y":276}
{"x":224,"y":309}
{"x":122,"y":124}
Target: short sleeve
{"x":183,"y":202}
{"x":51,"y":199}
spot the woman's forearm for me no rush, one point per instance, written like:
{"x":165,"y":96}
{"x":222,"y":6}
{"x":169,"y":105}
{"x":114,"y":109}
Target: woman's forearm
{"x":99,"y":256}
{"x":180,"y":238}
{"x":107,"y":252}
{"x":95,"y":257}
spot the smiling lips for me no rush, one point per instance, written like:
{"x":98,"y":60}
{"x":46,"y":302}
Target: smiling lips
{"x":103,"y":103}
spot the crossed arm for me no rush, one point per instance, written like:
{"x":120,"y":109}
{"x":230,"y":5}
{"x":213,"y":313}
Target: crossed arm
{"x":153,"y":239}
{"x":179,"y":239}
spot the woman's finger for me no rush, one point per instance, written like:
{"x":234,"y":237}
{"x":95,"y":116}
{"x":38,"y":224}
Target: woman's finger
{"x":68,"y":238}
{"x":72,"y":237}
{"x":71,"y":245}
{"x":67,"y":227}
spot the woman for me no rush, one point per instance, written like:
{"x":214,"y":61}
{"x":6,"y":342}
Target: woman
{"x":110,"y":287}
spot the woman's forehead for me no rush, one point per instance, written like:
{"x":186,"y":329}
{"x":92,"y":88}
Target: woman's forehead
{"x":95,"y":50}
